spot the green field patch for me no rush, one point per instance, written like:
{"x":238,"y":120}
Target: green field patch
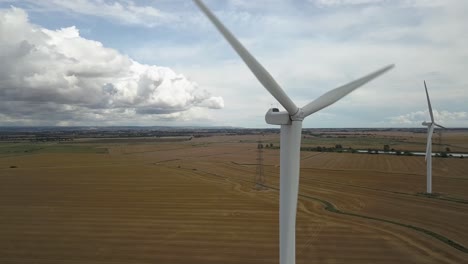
{"x":13,"y":149}
{"x":130,"y":140}
{"x":351,"y":141}
{"x":75,"y":149}
{"x":16,"y":148}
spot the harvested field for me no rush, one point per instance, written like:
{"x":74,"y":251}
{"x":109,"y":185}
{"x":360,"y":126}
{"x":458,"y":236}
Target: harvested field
{"x":194,"y":202}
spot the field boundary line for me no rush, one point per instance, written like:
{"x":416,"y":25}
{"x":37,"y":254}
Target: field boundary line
{"x":332,"y":208}
{"x":449,"y":199}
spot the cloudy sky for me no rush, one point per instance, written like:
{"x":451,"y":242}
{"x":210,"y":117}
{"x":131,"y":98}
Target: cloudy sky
{"x":160,"y":62}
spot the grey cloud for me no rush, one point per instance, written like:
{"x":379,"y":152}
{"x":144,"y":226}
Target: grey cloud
{"x":109,"y":89}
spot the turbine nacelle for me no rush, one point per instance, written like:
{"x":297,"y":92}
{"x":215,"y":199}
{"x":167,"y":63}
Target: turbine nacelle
{"x":426,"y":123}
{"x":275,"y":117}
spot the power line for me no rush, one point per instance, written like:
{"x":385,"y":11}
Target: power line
{"x":259,"y":176}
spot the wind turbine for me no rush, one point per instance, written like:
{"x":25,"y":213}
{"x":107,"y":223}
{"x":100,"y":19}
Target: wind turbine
{"x":291,"y":128}
{"x":430,"y":130}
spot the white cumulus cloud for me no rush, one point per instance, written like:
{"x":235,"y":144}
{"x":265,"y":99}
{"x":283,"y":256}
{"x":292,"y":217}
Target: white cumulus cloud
{"x":58,"y":71}
{"x":344,"y":2}
{"x":445,"y":118}
{"x":124,"y":12}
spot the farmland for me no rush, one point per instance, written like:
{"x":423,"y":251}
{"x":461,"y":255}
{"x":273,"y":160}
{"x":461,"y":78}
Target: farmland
{"x":193,"y":201}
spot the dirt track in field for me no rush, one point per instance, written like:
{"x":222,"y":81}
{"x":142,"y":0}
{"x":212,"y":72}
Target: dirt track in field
{"x":194,"y":203}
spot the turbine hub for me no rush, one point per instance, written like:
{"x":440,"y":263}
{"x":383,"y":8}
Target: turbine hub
{"x":298,"y":116}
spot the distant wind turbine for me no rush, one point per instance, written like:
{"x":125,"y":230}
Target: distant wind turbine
{"x":291,"y":128}
{"x":430,"y":130}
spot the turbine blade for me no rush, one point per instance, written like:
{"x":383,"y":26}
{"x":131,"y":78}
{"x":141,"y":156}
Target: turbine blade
{"x":429,"y":103}
{"x":440,"y":126}
{"x":340,"y":92}
{"x":257,"y":69}
{"x":430,"y":131}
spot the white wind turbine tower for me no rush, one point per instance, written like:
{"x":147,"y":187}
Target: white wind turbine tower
{"x":430,"y":130}
{"x":291,"y":128}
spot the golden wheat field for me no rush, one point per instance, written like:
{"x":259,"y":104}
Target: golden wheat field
{"x":195,"y":202}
